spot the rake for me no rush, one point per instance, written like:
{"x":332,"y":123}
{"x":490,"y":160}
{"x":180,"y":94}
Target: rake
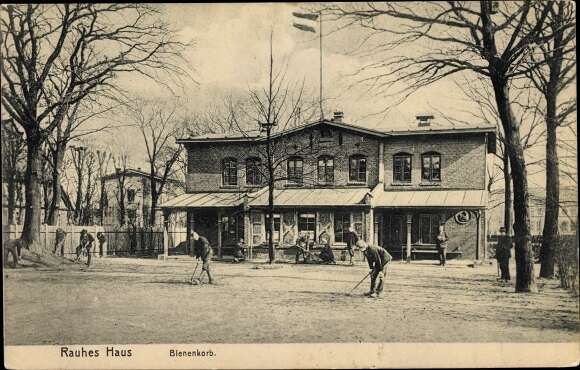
{"x":359,"y":283}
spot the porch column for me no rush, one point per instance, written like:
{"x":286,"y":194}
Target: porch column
{"x":381,"y":163}
{"x":478,"y":235}
{"x":371,"y":228}
{"x":219,"y":235}
{"x":166,"y":215}
{"x":484,"y":218}
{"x":189,"y":227}
{"x":409,"y":224}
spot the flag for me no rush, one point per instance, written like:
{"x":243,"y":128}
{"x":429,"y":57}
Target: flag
{"x":304,"y":27}
{"x":302,"y":17}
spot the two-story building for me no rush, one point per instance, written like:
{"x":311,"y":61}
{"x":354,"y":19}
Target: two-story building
{"x":393,"y":185}
{"x":133,"y":187}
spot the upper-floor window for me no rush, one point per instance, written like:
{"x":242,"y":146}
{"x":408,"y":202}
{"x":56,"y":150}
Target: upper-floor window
{"x":253,"y":175}
{"x":325,"y":135}
{"x":230,"y":171}
{"x":357,"y":168}
{"x":431,"y":167}
{"x":295,"y":170}
{"x":325,"y":169}
{"x":402,"y":167}
{"x":131,"y":195}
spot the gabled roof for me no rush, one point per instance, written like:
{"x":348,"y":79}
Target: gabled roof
{"x":380,"y":132}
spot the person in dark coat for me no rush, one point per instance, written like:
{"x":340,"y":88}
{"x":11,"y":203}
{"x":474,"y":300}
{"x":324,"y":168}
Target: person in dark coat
{"x":377,"y":258}
{"x":102,"y":242}
{"x":59,"y":241}
{"x":202,"y":250}
{"x":85,"y":244}
{"x":302,"y":247}
{"x":441,"y":243}
{"x":240,"y":251}
{"x":351,"y":239}
{"x":503,"y":253}
{"x":326,"y":254}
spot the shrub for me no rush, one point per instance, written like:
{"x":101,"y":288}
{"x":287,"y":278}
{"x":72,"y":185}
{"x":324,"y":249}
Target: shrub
{"x":566,"y":259}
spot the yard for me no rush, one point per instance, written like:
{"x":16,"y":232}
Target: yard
{"x":140,"y":301}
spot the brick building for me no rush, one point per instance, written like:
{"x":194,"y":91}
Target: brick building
{"x":395,"y":185}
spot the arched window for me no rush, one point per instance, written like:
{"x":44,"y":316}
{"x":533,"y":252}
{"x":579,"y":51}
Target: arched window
{"x":325,"y":169}
{"x":295,"y":170}
{"x":253,"y":175}
{"x":402,"y":167}
{"x":431,"y":167}
{"x":357,"y":168}
{"x":230,"y":171}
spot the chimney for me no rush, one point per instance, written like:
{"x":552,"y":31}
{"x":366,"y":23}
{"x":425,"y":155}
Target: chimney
{"x":338,"y":116}
{"x":424,"y":119}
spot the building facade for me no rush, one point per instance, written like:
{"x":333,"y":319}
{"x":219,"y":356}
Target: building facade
{"x":132,"y":186}
{"x":394,"y":186}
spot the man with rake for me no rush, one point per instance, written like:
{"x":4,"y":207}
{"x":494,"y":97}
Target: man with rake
{"x":378,"y":258}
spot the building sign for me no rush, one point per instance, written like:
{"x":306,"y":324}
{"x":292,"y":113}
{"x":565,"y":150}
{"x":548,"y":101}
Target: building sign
{"x":462,"y":217}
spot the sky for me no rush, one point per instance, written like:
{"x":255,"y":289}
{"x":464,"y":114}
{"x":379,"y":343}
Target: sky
{"x":230,"y":56}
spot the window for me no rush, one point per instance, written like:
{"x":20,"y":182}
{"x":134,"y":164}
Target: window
{"x":230,"y":171}
{"x":402,"y":167}
{"x":131,"y":195}
{"x":276,"y":236}
{"x":358,"y":168}
{"x":325,"y":170}
{"x":295,"y":170}
{"x":325,"y":134}
{"x":357,"y":222}
{"x":341,"y":224}
{"x":253,"y":176}
{"x":256,"y":228}
{"x":431,"y":167}
{"x":307,"y":224}
{"x":429,"y":227}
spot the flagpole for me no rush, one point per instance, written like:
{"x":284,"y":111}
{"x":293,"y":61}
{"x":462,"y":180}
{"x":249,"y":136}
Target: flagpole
{"x":321,"y":111}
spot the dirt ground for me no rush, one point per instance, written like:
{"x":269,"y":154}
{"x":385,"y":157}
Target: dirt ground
{"x":125,"y":301}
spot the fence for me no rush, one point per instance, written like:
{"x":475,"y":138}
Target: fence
{"x":48,"y":236}
{"x":536,"y":245}
{"x":121,"y":241}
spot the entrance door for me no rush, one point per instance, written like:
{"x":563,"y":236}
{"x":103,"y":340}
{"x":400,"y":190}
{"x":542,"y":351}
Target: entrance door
{"x":398,"y":234}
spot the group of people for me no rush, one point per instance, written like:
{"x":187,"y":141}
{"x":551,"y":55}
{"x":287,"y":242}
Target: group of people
{"x":86,"y":242}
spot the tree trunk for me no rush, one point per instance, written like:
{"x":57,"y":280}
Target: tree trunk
{"x":550,"y":232}
{"x":79,"y":200}
{"x":31,"y":229}
{"x":11,"y":197}
{"x":54,"y":209}
{"x":270,"y":227}
{"x":524,"y":255}
{"x":508,"y":202}
{"x":102,"y":202}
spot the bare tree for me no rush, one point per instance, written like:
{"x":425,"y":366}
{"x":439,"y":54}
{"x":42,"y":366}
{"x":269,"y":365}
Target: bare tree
{"x":274,"y":109}
{"x":13,"y":156}
{"x":160,"y":125}
{"x":557,"y":72}
{"x":121,"y":163}
{"x":487,"y":38}
{"x":103,"y":161}
{"x":53,"y":56}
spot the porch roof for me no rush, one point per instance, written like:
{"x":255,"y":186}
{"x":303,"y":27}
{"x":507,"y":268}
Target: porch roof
{"x":205,"y":200}
{"x":319,"y":197}
{"x":430,"y":198}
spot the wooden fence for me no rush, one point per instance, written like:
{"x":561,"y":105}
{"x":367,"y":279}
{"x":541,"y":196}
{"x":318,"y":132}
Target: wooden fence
{"x":121,"y":241}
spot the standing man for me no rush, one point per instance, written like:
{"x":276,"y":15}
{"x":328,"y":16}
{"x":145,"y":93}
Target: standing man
{"x":202,"y":249}
{"x":351,"y":240}
{"x":503,"y":254}
{"x":441,"y":242}
{"x":377,"y":257}
{"x":85,"y":243}
{"x":59,"y":241}
{"x":102,"y":242}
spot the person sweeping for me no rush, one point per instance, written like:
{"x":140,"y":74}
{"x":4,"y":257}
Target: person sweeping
{"x":202,"y":250}
{"x":378,"y":258}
